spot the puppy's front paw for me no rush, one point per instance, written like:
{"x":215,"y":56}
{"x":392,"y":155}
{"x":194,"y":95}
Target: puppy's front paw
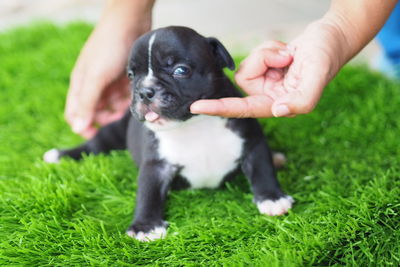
{"x":52,"y":156}
{"x":145,"y":233}
{"x":275,"y":207}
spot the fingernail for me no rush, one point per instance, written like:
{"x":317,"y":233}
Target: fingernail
{"x":281,"y":111}
{"x":195,"y":108}
{"x":79,"y":125}
{"x":284,"y":53}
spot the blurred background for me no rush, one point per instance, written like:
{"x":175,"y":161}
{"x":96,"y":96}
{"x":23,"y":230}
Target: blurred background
{"x":240,"y":25}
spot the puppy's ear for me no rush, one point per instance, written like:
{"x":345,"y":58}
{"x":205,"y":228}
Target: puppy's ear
{"x":223,"y":57}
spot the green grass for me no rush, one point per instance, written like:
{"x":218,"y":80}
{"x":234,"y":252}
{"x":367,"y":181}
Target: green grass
{"x":343,"y":171}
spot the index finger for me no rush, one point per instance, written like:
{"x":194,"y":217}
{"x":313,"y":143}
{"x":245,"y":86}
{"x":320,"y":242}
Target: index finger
{"x":258,"y":106}
{"x":253,"y":68}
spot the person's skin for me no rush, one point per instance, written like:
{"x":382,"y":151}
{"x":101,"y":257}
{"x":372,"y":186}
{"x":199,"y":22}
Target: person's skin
{"x":286,"y":80}
{"x":99,"y":89}
{"x":280,"y":79}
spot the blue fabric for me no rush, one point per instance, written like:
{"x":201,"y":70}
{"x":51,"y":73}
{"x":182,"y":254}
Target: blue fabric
{"x":383,"y":64}
{"x":389,"y":36}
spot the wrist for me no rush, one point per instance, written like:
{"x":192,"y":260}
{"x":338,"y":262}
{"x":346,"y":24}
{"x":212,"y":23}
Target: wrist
{"x":357,"y":22}
{"x":347,"y":44}
{"x":327,"y":39}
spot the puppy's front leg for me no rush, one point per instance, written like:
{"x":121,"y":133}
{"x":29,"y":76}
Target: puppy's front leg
{"x":154,"y":180}
{"x":258,"y":167}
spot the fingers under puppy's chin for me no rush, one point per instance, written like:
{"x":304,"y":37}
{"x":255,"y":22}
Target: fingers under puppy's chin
{"x":204,"y":107}
{"x":195,"y":108}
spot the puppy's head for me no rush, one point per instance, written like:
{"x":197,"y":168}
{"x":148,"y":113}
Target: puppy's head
{"x":172,"y":67}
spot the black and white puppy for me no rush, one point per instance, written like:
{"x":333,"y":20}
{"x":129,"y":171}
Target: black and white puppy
{"x":170,"y":68}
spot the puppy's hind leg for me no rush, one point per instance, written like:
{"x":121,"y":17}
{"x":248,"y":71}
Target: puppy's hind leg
{"x":110,"y":137}
{"x":258,"y":166}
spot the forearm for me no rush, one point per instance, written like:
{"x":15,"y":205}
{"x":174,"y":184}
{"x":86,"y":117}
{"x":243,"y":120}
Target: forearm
{"x":358,"y":22}
{"x":130,"y":18}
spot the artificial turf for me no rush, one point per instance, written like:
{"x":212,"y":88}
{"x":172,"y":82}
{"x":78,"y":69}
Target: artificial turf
{"x":343,"y":170}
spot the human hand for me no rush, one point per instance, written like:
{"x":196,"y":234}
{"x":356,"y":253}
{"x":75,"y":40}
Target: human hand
{"x":99,"y":89}
{"x":284,"y":80}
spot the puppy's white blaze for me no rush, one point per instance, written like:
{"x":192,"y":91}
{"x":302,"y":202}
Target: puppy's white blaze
{"x":151,"y":41}
{"x":148,"y":80}
{"x":157,"y":233}
{"x":52,"y":156}
{"x":277,"y":207}
{"x":203,"y":146}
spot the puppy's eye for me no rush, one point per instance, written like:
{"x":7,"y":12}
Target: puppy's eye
{"x":181,"y":71}
{"x":130,"y":74}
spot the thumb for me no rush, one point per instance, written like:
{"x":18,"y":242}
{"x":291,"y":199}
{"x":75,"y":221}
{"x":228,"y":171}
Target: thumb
{"x":293,"y":103}
{"x":303,"y":98}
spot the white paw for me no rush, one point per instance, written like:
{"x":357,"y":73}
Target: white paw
{"x":279,"y":159}
{"x":157,"y":233}
{"x":277,"y":207}
{"x":52,"y":156}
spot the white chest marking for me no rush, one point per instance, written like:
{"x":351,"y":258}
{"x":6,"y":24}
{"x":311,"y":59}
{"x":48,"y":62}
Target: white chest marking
{"x":203,"y":146}
{"x":148,"y":80}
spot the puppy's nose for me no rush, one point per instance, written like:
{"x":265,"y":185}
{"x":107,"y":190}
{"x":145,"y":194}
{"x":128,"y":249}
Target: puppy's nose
{"x":146,"y":93}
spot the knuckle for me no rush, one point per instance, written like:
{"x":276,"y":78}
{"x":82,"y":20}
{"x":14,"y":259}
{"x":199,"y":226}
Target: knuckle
{"x":246,"y":111}
{"x":239,"y":81}
{"x":242,"y":114}
{"x":222,"y":108}
{"x":242,"y":81}
{"x":237,"y":76}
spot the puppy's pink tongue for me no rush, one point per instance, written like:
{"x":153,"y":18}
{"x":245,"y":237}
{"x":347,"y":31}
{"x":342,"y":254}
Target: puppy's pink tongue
{"x":151,"y":116}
